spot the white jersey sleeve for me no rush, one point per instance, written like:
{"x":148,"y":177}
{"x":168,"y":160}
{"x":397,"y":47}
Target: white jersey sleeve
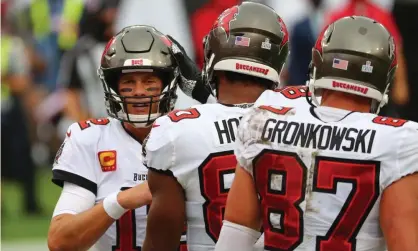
{"x":76,"y":159}
{"x":170,"y":145}
{"x":406,"y":156}
{"x":291,"y":96}
{"x":158,"y":147}
{"x":162,"y":150}
{"x":74,"y":200}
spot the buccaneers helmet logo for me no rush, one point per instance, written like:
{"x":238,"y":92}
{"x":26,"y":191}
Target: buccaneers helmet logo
{"x":167,"y":41}
{"x":392,"y":52}
{"x":322,"y":38}
{"x":225,"y":19}
{"x":283,"y":31}
{"x":106,"y":49}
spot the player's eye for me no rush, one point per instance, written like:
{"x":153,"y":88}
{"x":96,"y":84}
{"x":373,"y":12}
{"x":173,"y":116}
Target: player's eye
{"x":126,"y":89}
{"x":152,"y":89}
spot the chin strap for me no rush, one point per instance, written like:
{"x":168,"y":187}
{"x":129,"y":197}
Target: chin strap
{"x":310,"y":83}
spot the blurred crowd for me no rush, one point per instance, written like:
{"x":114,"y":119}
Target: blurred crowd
{"x":50,"y":51}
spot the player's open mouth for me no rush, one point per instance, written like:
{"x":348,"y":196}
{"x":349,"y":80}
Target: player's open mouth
{"x":140,"y":108}
{"x":140,"y":105}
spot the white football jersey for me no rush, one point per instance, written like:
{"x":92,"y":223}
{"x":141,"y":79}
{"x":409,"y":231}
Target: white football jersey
{"x":100,"y":156}
{"x":320,"y":181}
{"x":196,"y":147}
{"x":292,"y":96}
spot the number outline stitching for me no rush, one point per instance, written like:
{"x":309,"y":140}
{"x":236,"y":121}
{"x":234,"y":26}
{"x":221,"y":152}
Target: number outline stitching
{"x":389,"y":121}
{"x":334,"y":178}
{"x":203,"y":190}
{"x":87,"y":123}
{"x":299,"y":92}
{"x":282,"y":110}
{"x":296,"y":204}
{"x":193,"y":113}
{"x":134,"y":246}
{"x":349,"y":199}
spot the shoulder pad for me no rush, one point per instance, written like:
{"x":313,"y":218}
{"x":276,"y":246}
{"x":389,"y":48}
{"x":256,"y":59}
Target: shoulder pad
{"x":294,"y":92}
{"x":186,"y":114}
{"x":388,"y":121}
{"x":87,"y":131}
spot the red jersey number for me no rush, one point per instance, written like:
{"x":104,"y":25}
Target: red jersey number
{"x":288,"y":173}
{"x":179,"y":115}
{"x":212,"y":173}
{"x":294,"y":92}
{"x":87,"y":123}
{"x":278,"y":110}
{"x":389,"y":121}
{"x":126,"y":232}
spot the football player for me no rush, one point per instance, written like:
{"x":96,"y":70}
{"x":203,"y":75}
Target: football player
{"x":335,"y":176}
{"x":100,"y":157}
{"x":189,"y":153}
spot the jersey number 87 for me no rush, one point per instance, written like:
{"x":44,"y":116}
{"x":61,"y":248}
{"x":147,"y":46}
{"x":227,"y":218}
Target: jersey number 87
{"x":281,"y":180}
{"x":287,"y":233}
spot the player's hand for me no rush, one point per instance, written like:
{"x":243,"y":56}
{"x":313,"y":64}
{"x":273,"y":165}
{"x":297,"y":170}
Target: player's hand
{"x":135,"y":197}
{"x":191,"y":82}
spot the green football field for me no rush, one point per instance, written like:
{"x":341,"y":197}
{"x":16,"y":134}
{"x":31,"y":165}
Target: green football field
{"x":19,"y":230}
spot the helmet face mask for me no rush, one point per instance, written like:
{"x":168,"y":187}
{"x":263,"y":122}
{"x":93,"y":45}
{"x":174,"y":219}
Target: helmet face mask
{"x":238,"y":44}
{"x":157,"y":104}
{"x":355,"y":55}
{"x":142,"y":50}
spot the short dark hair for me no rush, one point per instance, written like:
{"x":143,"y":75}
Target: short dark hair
{"x":239,"y":77}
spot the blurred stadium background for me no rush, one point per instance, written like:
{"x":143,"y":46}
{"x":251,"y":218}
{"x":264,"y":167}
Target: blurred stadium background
{"x":50,"y":50}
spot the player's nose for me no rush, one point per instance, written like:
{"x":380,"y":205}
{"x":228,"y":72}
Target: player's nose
{"x":140,"y":89}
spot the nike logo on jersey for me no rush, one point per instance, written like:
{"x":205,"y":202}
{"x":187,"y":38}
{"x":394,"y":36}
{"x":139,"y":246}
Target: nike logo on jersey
{"x":69,"y":134}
